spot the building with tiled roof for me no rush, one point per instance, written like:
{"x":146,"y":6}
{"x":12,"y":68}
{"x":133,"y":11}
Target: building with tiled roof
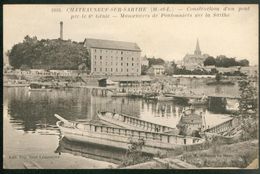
{"x":156,"y":70}
{"x":110,"y":57}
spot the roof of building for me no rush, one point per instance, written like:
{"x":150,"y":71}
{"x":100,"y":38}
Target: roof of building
{"x":197,"y":50}
{"x":110,"y":44}
{"x":158,"y":66}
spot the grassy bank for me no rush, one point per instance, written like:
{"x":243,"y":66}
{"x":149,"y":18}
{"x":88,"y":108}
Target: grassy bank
{"x":233,"y":155}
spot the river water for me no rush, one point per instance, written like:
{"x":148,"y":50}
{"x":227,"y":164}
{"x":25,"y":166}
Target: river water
{"x":31,"y":138}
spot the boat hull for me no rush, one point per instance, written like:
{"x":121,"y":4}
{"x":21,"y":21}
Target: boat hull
{"x":41,"y":90}
{"x":122,"y":138}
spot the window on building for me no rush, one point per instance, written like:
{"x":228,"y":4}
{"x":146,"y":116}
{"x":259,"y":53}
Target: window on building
{"x":116,"y":69}
{"x":121,"y":52}
{"x":95,"y":62}
{"x":106,"y":69}
{"x":111,"y":69}
{"x":121,"y":64}
{"x":95,"y":50}
{"x":132,"y":59}
{"x":126,"y":70}
{"x":126,"y":64}
{"x":100,"y":57}
{"x":121,"y":69}
{"x":121,"y":58}
{"x":132,"y":64}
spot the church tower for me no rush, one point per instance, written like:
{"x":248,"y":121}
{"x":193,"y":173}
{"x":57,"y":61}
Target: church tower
{"x":197,"y":50}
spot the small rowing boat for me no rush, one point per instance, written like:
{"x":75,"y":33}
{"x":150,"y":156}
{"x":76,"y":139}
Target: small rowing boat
{"x":153,"y":142}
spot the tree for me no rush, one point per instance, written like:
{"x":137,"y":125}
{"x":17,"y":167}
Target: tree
{"x":144,"y":69}
{"x":170,"y":68}
{"x":49,"y":54}
{"x":248,"y":109}
{"x":248,"y":101}
{"x":244,"y":62}
{"x":209,"y":61}
{"x":213,"y":71}
{"x":223,"y":61}
{"x":155,"y":61}
{"x":218,"y":77}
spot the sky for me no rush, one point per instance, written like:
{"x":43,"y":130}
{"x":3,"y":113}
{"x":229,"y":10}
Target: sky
{"x":168,"y":38}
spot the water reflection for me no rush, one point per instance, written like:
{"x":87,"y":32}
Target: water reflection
{"x":93,"y":151}
{"x":28,"y":118}
{"x":30,"y":111}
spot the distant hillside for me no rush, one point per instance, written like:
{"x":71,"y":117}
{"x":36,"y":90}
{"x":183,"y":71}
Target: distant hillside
{"x":49,"y":54}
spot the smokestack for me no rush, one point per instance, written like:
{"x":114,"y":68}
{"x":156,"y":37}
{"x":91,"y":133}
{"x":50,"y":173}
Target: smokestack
{"x":61,"y":30}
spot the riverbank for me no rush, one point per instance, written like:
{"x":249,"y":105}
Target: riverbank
{"x":239,"y":154}
{"x":232,"y":156}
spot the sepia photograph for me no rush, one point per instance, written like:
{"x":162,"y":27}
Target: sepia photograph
{"x":130,"y":86}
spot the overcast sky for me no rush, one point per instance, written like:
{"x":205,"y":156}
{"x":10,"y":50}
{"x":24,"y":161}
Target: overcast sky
{"x":167,"y":38}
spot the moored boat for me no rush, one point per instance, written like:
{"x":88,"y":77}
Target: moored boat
{"x":119,"y":94}
{"x":198,"y":102}
{"x":136,"y":123}
{"x":153,"y":142}
{"x":40,"y":87}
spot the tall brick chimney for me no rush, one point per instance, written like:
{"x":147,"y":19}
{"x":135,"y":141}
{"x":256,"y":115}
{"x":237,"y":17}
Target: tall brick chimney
{"x":61,"y":30}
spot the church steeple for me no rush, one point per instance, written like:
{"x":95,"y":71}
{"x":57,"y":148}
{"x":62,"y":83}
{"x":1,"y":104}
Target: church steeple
{"x":197,"y":50}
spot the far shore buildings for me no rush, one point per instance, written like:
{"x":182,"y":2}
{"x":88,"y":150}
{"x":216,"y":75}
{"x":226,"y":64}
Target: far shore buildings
{"x":196,"y":60}
{"x":156,"y":70}
{"x":113,"y":57}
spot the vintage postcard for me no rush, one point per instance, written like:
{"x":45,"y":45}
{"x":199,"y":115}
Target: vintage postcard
{"x":147,"y":86}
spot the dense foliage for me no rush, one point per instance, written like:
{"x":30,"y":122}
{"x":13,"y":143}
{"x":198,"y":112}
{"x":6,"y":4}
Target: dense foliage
{"x":155,"y":61}
{"x":248,"y":100}
{"x":223,"y":61}
{"x":49,"y":54}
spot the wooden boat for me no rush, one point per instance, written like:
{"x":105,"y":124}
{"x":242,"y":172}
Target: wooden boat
{"x":39,"y":87}
{"x":135,"y":123}
{"x":152,"y":142}
{"x":198,"y":102}
{"x":165,"y":98}
{"x":15,"y":85}
{"x":119,"y":94}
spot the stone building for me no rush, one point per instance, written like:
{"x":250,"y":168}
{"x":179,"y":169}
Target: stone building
{"x":113,"y":57}
{"x":156,"y":70}
{"x":193,"y":61}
